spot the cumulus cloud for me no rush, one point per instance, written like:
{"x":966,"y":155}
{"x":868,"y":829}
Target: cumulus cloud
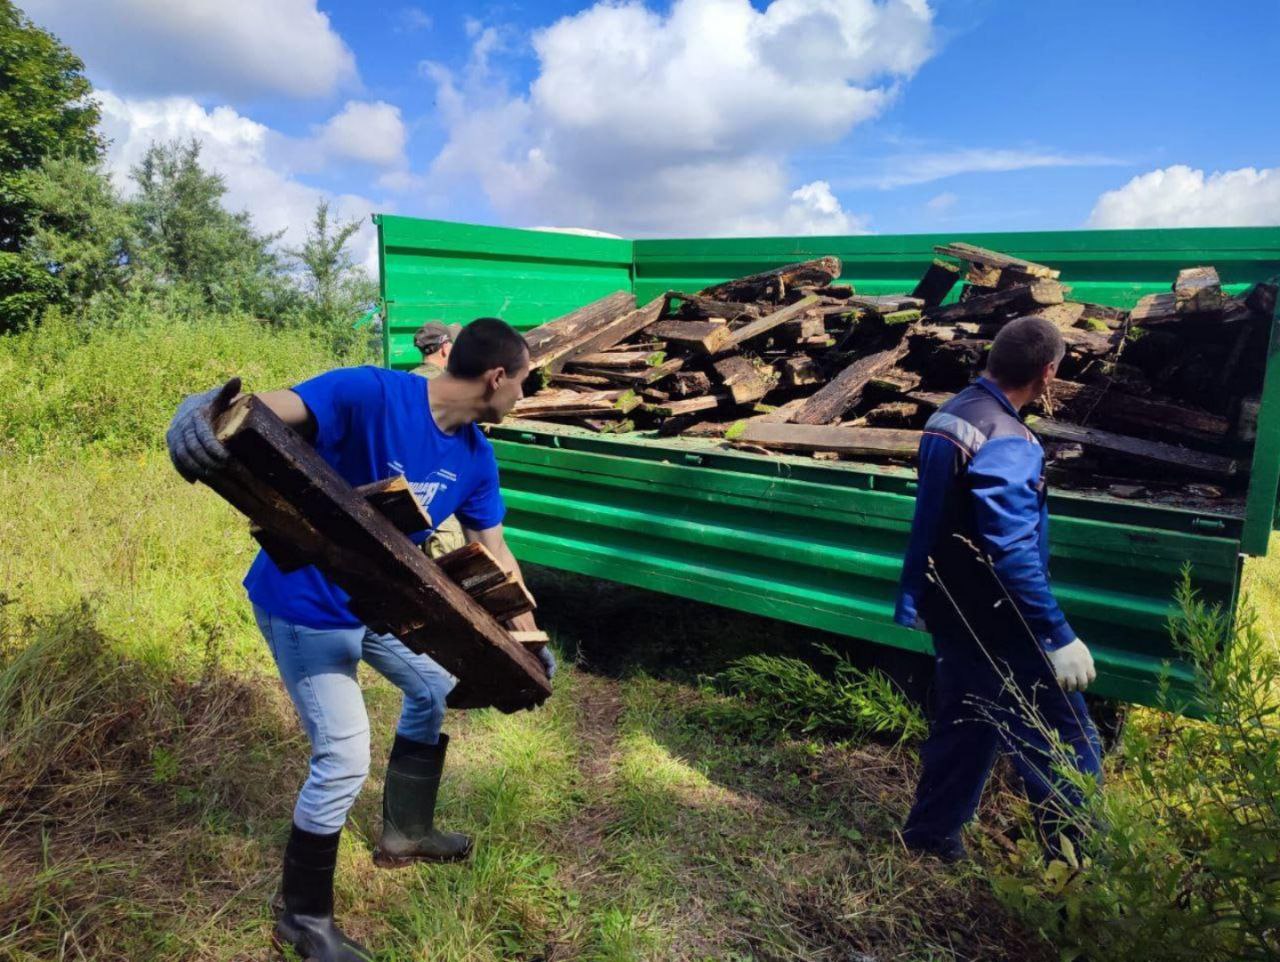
{"x":371,"y":133}
{"x":220,"y":48}
{"x":642,"y":122}
{"x":940,"y":203}
{"x":1182,"y":197}
{"x":246,"y":154}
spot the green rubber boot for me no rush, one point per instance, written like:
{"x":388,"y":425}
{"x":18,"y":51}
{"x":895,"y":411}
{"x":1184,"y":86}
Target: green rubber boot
{"x":409,"y":808}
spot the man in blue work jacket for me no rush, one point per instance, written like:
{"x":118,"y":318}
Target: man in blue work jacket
{"x":1009,"y":668}
{"x":370,"y":423}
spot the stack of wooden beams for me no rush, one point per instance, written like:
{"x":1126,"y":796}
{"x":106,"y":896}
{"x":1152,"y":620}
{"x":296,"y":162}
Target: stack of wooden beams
{"x":795,"y":360}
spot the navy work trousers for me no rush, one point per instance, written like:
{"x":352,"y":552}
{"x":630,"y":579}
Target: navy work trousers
{"x":1005,"y":698}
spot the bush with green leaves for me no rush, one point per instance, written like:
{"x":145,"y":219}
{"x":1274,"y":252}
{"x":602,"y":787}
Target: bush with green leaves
{"x":1182,"y":852}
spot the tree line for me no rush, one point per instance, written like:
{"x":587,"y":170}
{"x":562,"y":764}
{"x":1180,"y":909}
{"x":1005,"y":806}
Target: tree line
{"x":69,"y":239}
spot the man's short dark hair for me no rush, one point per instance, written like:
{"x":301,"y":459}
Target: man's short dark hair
{"x":486,"y":343}
{"x":1022,"y":349}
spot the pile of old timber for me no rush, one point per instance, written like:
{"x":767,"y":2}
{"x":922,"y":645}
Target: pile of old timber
{"x":302,"y":512}
{"x":795,"y":360}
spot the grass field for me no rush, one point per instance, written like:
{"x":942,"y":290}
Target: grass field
{"x":149,"y":759}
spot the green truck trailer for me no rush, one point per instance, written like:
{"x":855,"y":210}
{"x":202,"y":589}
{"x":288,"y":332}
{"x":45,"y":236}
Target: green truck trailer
{"x":820,"y":543}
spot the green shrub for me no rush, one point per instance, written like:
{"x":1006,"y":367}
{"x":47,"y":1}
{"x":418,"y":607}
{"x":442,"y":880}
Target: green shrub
{"x":1184,"y":843}
{"x":115,"y":383}
{"x":773,"y":695}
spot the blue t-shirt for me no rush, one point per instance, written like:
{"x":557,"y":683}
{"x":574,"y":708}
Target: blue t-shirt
{"x":371,"y":424}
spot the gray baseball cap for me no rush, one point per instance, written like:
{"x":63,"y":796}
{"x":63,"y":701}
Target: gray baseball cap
{"x":432,"y":335}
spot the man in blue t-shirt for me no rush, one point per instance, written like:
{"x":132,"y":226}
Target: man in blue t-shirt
{"x":370,"y":423}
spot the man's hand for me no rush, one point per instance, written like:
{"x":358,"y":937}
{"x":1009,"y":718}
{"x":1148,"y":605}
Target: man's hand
{"x":1073,"y":666}
{"x":193,"y":447}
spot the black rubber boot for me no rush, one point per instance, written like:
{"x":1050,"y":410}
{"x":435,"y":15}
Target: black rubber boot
{"x":306,"y":924}
{"x":409,"y":808}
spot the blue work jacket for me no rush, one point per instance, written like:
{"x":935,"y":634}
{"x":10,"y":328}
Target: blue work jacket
{"x":980,"y":535}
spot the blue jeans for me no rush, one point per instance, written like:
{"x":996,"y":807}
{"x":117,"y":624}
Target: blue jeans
{"x":981,"y":709}
{"x":318,"y":668}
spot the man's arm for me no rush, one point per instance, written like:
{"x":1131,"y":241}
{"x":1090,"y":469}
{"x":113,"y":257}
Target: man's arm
{"x":1004,"y":478}
{"x":290,"y":409}
{"x":494,"y":539}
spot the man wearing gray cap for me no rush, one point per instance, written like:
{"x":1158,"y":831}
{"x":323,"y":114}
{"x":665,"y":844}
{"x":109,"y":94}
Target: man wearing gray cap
{"x":434,"y":339}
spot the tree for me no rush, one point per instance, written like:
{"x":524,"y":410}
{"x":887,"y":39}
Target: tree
{"x":45,"y":111}
{"x":334,"y":285}
{"x":80,"y":231}
{"x":186,"y":238}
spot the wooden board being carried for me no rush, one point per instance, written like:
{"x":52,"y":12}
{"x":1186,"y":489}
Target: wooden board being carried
{"x":279,"y":481}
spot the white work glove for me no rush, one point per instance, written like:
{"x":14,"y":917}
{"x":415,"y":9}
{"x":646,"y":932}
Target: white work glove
{"x":193,"y":447}
{"x":1073,"y":666}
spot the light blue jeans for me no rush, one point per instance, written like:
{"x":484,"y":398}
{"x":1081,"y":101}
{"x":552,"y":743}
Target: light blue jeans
{"x":318,"y":668}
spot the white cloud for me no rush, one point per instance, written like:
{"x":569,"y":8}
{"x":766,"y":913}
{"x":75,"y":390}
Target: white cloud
{"x":221,"y":48}
{"x":941,"y":203}
{"x":641,"y":123}
{"x":1182,"y":197}
{"x":371,"y":133}
{"x":247,"y":155}
{"x":907,"y":169}
{"x":413,"y":19}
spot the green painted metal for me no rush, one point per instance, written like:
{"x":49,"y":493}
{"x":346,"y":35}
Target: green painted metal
{"x":819,"y":543}
{"x":436,"y":270}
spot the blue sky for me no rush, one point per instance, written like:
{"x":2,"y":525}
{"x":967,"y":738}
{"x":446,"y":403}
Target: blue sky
{"x":689,"y":117}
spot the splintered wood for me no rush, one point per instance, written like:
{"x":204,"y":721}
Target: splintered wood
{"x":795,"y":360}
{"x":300,"y":506}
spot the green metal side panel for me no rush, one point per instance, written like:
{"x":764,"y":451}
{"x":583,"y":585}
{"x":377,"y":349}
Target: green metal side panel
{"x":436,"y":270}
{"x":1113,"y":267}
{"x":820,"y":544}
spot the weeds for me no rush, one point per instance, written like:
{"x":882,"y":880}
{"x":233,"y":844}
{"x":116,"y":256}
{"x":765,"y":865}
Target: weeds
{"x":775,"y":695}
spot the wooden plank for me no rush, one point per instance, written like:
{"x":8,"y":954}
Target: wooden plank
{"x":774,"y":284}
{"x":696,"y":306}
{"x":936,"y":283}
{"x":980,"y":255}
{"x":472,"y":567}
{"x":742,"y":379}
{"x":614,"y":332}
{"x":847,"y":441}
{"x":887,"y":303}
{"x":637,"y":378}
{"x":767,"y":323}
{"x":844,"y":390}
{"x":284,"y":486}
{"x":703,"y":337}
{"x":1096,"y":343}
{"x":896,"y":381}
{"x":1155,"y":309}
{"x":799,"y":371}
{"x":669,"y":409}
{"x":690,"y":384}
{"x":576,"y":404}
{"x":1169,"y":458}
{"x":1198,"y":291}
{"x":981,"y":306}
{"x":1063,"y":316}
{"x":580,"y":381}
{"x":394,"y":498}
{"x":804,"y":328}
{"x":1116,"y":409}
{"x":552,"y":340}
{"x":617,"y":359}
{"x":533,"y":640}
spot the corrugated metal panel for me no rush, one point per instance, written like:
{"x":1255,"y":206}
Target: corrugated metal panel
{"x":821,"y":545}
{"x":436,"y":270}
{"x":1106,"y":267}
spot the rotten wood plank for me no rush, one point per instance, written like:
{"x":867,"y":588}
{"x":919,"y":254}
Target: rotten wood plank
{"x":552,"y":340}
{"x":1198,"y":290}
{"x":844,"y":390}
{"x":773,"y":284}
{"x":767,"y":323}
{"x":981,"y":255}
{"x":847,"y":441}
{"x":1170,"y":458}
{"x":702,"y":337}
{"x":742,"y":379}
{"x":282,"y":484}
{"x":1115,"y":409}
{"x":936,"y":283}
{"x":613,"y":332}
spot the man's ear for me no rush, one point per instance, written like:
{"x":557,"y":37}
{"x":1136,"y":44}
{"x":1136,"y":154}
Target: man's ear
{"x":494,"y":379}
